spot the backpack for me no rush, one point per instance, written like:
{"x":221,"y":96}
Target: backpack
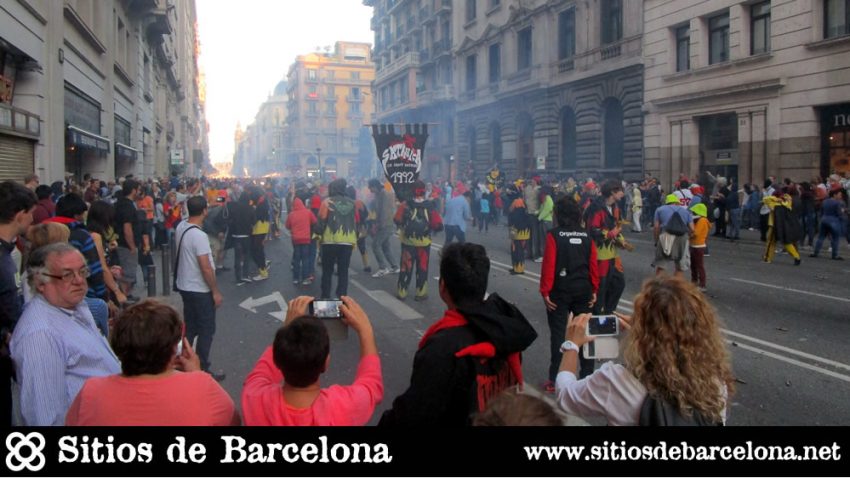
{"x":676,"y":226}
{"x":657,"y":412}
{"x":417,"y":221}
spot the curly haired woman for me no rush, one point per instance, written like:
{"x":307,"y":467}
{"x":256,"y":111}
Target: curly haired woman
{"x":673,"y":352}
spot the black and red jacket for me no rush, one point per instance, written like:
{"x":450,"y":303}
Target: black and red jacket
{"x":569,"y":264}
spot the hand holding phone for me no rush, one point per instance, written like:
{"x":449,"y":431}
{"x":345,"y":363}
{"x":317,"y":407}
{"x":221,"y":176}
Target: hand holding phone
{"x":603,"y":326}
{"x":331,"y":315}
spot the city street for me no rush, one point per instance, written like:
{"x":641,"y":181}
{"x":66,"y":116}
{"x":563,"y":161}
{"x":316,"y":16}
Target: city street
{"x":786,"y":326}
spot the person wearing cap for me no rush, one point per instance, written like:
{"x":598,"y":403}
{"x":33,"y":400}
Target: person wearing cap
{"x":671,"y":246}
{"x":699,"y":237}
{"x":417,"y":219}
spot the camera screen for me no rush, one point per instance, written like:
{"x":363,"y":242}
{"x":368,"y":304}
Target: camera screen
{"x":602,"y":325}
{"x":326,"y":309}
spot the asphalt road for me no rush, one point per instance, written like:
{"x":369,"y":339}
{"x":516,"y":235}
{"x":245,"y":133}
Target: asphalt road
{"x":788,"y":327}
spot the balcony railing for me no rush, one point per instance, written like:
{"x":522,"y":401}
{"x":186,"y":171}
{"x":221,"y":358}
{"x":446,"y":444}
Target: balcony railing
{"x":611,"y":51}
{"x":445,"y":7}
{"x":19,"y":121}
{"x":408,"y":60}
{"x":440,"y":93}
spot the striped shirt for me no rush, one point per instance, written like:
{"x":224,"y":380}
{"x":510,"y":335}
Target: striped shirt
{"x":55,"y":350}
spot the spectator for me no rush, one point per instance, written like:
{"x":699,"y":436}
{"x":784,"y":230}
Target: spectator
{"x":240,"y":223}
{"x":417,"y":219}
{"x":513,"y":409}
{"x":300,"y":222}
{"x":171,"y":211}
{"x":45,"y":208}
{"x":127,"y":226}
{"x":284,"y":388}
{"x":56,"y":345}
{"x":764,"y":212}
{"x":831,"y":222}
{"x":484,"y":211}
{"x":99,"y":224}
{"x":92,"y":193}
{"x":17,"y":204}
{"x":337,"y":222}
{"x":215,"y":225}
{"x":569,"y":278}
{"x":544,"y":217}
{"x":384,"y":228}
{"x":733,"y":207}
{"x":194,"y":272}
{"x":673,"y":226}
{"x":260,"y":232}
{"x":458,"y":213}
{"x":698,"y":239}
{"x":674,"y":352}
{"x":461,"y":356}
{"x":148,"y":340}
{"x":31,"y":181}
{"x":637,"y":208}
{"x":363,"y":213}
{"x":531,"y":197}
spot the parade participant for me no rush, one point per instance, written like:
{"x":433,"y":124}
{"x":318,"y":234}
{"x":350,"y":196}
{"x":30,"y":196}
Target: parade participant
{"x":148,"y":340}
{"x":458,"y":213}
{"x":260,"y":233}
{"x":569,"y":278}
{"x":470,"y":355}
{"x":338,"y":220}
{"x":215,"y":225}
{"x":56,"y":345}
{"x":672,"y":225}
{"x":834,"y":210}
{"x":520,"y":229}
{"x":783,"y":227}
{"x":284,"y":389}
{"x":194,"y":276}
{"x":416,"y":219}
{"x":698,"y":239}
{"x":637,"y":208}
{"x":531,"y":196}
{"x":384,"y":207}
{"x":674,"y":353}
{"x":545,"y":216}
{"x":240,"y":225}
{"x":362,"y":231}
{"x":300,"y":221}
{"x":602,"y":219}
{"x":765,"y":211}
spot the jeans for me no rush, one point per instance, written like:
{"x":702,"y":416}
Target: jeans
{"x":300,"y":262}
{"x":241,"y":251}
{"x":534,"y":250}
{"x":199,"y":315}
{"x":381,"y":248}
{"x":734,"y":229}
{"x":832,"y":226}
{"x":339,"y":256}
{"x":455,"y":231}
{"x":809,"y":228}
{"x":258,"y":250}
{"x":482,"y":221}
{"x":577,"y":304}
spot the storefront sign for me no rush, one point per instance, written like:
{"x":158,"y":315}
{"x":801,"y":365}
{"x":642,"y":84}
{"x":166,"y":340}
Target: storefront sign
{"x":541,"y":163}
{"x":125,"y":152}
{"x":84,"y":139}
{"x":177,"y":156}
{"x":401,"y":155}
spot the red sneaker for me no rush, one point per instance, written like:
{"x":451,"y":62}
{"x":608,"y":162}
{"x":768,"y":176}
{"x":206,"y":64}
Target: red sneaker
{"x":549,"y":386}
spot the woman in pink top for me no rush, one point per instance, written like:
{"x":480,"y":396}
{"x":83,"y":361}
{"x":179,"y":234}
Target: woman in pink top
{"x":284,"y":390}
{"x":148,"y":340}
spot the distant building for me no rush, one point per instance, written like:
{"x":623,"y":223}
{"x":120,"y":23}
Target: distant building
{"x":329,"y":103}
{"x":263,"y":152}
{"x":105,"y":88}
{"x":747,"y":90}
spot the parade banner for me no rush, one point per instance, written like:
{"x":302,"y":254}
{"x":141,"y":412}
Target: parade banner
{"x":401,"y":155}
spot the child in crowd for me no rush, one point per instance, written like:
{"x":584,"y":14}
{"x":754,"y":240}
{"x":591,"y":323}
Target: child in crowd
{"x":698,"y":244}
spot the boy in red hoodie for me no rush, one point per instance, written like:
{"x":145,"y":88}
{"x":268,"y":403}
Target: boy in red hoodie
{"x":300,"y":221}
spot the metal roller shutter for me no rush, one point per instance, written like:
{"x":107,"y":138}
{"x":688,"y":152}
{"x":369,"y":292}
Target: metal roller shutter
{"x":17,"y":158}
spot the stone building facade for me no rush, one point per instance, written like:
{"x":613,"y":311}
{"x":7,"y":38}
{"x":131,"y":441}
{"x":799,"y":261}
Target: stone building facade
{"x":747,"y":89}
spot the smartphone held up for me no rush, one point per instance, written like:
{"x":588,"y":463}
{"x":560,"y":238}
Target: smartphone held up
{"x":605,"y":328}
{"x":328,"y":311}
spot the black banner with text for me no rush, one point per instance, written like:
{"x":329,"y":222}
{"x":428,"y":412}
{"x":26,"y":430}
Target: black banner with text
{"x":401,"y":155}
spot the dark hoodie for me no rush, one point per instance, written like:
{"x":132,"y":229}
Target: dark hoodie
{"x":466,"y":358}
{"x":338,"y":217}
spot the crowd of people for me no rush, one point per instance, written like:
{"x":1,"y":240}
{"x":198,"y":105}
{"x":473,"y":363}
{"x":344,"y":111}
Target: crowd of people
{"x":84,"y":350}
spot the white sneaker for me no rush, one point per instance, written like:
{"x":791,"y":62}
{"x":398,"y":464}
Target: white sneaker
{"x":259,"y":277}
{"x":395,"y":270}
{"x":538,"y":260}
{"x":381,"y":273}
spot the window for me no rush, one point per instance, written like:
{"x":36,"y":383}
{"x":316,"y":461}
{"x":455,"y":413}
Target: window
{"x":420,"y":82}
{"x":330,"y":74}
{"x":471,"y":80}
{"x":683,"y":48}
{"x":612,"y":21}
{"x":122,"y":131}
{"x":312,"y":93}
{"x":718,"y":40}
{"x":495,"y":62}
{"x":567,"y":34}
{"x":311,"y":75}
{"x":524,"y":48}
{"x":355,"y":93}
{"x":496,"y":143}
{"x":404,"y":89}
{"x":569,"y":140}
{"x":312,"y":108}
{"x":470,"y":10}
{"x":837,"y":18}
{"x":355,"y":75}
{"x":331,"y":108}
{"x":354,"y":107}
{"x":614,"y":144}
{"x":760,"y":28}
{"x":331,"y":91}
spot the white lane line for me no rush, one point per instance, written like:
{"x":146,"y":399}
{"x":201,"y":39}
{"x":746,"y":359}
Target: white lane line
{"x":529,"y":276}
{"x":397,"y":307}
{"x":798,"y":363}
{"x":790,"y":289}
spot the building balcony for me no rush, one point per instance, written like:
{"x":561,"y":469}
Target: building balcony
{"x":442,"y":47}
{"x":20,"y":122}
{"x":445,"y":7}
{"x":440,"y":93}
{"x":160,"y":23}
{"x":424,"y":14}
{"x":408,"y":60}
{"x":605,"y":57}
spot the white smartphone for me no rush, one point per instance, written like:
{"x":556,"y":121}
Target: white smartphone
{"x":603,"y":326}
{"x":602,"y":348}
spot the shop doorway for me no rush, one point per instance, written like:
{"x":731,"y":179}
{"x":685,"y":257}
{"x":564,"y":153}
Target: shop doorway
{"x":718,"y":146}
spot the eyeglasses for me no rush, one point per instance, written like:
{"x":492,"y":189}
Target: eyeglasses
{"x":68,"y":276}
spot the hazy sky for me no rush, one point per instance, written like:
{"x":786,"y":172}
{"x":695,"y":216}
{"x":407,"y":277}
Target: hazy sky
{"x":248,"y":45}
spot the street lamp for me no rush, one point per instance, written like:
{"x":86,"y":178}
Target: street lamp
{"x":319,"y":158}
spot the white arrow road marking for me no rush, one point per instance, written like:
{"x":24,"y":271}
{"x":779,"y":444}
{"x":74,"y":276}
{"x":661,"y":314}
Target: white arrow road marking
{"x":251,"y":304}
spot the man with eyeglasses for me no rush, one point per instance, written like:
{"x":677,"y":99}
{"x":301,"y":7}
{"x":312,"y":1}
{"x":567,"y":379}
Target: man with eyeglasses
{"x":56,"y":345}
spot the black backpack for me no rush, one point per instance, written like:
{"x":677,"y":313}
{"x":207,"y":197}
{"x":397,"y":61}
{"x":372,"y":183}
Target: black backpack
{"x":657,"y":412}
{"x":676,"y":225}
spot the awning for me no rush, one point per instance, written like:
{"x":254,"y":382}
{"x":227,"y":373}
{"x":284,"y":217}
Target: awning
{"x":122,"y":151}
{"x":83,"y":139}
